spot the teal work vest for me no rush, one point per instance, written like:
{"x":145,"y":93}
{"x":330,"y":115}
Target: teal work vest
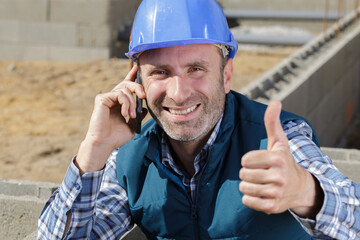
{"x":160,"y":204}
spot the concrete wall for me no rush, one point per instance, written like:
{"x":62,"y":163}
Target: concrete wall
{"x":63,"y":29}
{"x":290,"y":5}
{"x":346,"y":160}
{"x":20,"y":205}
{"x":286,"y":4}
{"x":320,"y":82}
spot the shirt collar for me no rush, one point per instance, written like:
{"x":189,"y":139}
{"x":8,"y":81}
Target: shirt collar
{"x":200,"y":159}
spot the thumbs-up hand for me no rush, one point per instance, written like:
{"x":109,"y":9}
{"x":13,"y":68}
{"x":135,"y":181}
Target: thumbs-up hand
{"x":272,"y":182}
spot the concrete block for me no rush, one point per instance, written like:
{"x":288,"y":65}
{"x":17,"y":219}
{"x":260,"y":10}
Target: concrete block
{"x":41,"y":190}
{"x":314,"y":92}
{"x":55,"y":53}
{"x":329,"y":70}
{"x":94,"y":35}
{"x":347,"y":57}
{"x":73,"y":54}
{"x":80,"y":11}
{"x":282,"y":5}
{"x":16,"y":188}
{"x":355,"y":157}
{"x":22,"y":52}
{"x":61,"y":34}
{"x":19,"y":216}
{"x":315,"y":122}
{"x":122,"y":12}
{"x":337,"y":57}
{"x":327,"y":118}
{"x":113,"y":12}
{"x":296,"y":101}
{"x":26,"y":10}
{"x":31,"y":236}
{"x":338,"y":154}
{"x":9,"y":30}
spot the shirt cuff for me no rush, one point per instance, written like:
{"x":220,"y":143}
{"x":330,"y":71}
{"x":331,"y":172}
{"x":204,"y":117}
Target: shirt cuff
{"x":80,"y":191}
{"x":318,"y":226}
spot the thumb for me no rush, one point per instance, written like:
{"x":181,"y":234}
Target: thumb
{"x":274,"y":130}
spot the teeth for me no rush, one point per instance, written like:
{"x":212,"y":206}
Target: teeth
{"x":182,"y":112}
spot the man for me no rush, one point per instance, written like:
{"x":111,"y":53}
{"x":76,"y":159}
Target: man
{"x":200,"y":169}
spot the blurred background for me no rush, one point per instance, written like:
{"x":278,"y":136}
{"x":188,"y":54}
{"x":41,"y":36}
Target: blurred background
{"x":56,"y":55}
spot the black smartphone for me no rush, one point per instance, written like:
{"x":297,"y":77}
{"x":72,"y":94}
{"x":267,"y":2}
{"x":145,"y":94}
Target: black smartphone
{"x":138,"y":107}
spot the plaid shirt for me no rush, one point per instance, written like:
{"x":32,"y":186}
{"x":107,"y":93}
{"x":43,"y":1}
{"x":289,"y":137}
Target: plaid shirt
{"x":100,"y":209}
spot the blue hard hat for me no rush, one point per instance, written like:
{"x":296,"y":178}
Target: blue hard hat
{"x":169,"y":23}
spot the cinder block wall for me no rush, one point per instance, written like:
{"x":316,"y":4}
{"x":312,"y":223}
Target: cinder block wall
{"x":64,"y":30}
{"x":329,"y":96}
{"x":285,"y":4}
{"x":290,"y":5}
{"x":320,"y":81}
{"x":21,"y":203}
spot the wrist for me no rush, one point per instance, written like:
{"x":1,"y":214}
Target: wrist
{"x":91,"y":156}
{"x":310,"y":199}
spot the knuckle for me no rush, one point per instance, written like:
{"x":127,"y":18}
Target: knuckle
{"x":245,"y":200}
{"x":273,"y":192}
{"x":277,"y":159}
{"x":99,"y":98}
{"x":244,"y":187}
{"x":271,"y":207}
{"x":242,"y":173}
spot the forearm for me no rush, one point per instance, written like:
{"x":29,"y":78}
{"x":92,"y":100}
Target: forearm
{"x":68,"y":198}
{"x":93,"y":205}
{"x":92,"y":156}
{"x":339,"y":213}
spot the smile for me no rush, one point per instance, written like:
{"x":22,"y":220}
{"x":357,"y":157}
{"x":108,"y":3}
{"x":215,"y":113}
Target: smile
{"x":182,"y":112}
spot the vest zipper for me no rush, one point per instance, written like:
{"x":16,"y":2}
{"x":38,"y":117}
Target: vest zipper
{"x":194,"y":204}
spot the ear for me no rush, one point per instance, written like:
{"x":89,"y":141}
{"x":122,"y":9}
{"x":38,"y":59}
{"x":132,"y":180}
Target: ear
{"x":228,"y":71}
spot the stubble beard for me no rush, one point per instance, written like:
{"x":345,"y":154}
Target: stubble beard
{"x":196,"y":129}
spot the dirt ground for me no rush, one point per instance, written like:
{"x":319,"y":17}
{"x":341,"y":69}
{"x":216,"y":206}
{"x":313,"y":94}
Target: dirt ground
{"x":45,"y":108}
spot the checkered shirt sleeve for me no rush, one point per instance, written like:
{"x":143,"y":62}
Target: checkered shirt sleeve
{"x":98,"y":204}
{"x":339,"y":217}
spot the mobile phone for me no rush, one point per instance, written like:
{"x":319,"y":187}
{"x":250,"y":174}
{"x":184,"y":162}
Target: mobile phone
{"x":138,"y":107}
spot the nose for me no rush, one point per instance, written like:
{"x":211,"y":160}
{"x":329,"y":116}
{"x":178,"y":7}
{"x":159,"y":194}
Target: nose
{"x":179,"y":89}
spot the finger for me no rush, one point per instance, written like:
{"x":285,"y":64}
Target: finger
{"x":131,"y":102}
{"x":258,"y":176}
{"x":274,"y":130}
{"x":256,"y":159}
{"x":267,"y":205}
{"x":133,"y":87}
{"x":124,"y":101}
{"x":259,"y":190}
{"x":120,"y":98}
{"x":129,"y":82}
{"x":131,"y":76}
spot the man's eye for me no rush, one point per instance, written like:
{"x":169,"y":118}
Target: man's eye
{"x":159,"y":72}
{"x":195,"y":69}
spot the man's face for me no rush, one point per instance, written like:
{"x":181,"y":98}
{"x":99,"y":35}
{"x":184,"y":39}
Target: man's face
{"x":185,"y":89}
